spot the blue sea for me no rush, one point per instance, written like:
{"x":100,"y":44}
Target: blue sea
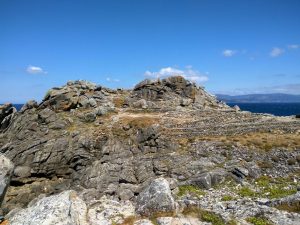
{"x":277,"y":109}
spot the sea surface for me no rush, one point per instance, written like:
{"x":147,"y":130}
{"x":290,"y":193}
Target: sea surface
{"x":278,"y":109}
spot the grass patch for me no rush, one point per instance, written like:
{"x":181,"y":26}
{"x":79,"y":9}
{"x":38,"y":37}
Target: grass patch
{"x":129,"y":220}
{"x":139,"y":121}
{"x":292,"y":207}
{"x":227,"y":198}
{"x":156,"y":215}
{"x":259,"y":221}
{"x":267,"y":187}
{"x":119,"y":102}
{"x":204,"y":215}
{"x":190,"y":189}
{"x":276,"y":188}
{"x":246,"y":192}
{"x":260,"y":140}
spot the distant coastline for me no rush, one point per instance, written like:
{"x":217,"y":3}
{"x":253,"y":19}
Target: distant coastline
{"x":277,"y":109}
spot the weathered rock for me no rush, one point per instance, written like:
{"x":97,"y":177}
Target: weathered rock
{"x":108,"y":212}
{"x":62,"y":209}
{"x":29,"y":105}
{"x":22,"y":171}
{"x":156,"y":197}
{"x":7,"y":112}
{"x":6,"y":170}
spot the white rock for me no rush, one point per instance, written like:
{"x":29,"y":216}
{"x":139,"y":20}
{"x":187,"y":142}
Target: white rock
{"x":65,"y":208}
{"x":6,"y":170}
{"x":107,"y":211}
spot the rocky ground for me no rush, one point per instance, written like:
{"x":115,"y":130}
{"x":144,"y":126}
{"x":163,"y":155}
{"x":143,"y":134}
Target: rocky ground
{"x":163,"y":153}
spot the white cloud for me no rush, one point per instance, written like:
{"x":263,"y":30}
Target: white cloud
{"x":229,"y":52}
{"x":35,"y":70}
{"x":275,"y":52}
{"x":293,"y":46}
{"x":112,"y":79}
{"x":188,"y":73}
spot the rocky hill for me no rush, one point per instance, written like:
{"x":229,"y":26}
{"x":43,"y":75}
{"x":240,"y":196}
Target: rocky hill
{"x":163,"y":153}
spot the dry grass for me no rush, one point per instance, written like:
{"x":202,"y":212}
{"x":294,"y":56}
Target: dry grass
{"x":295,"y":207}
{"x":140,"y":121}
{"x":260,"y":140}
{"x":129,"y":220}
{"x":119,"y":102}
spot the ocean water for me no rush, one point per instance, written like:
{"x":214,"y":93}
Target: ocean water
{"x":277,"y":109}
{"x":18,"y":106}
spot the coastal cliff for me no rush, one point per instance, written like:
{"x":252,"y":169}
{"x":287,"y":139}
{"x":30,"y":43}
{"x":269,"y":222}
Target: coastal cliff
{"x":165,"y":152}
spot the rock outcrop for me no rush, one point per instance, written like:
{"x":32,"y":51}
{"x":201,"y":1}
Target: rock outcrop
{"x":6,"y":170}
{"x":157,"y":197}
{"x":64,"y":209}
{"x":172,"y":91}
{"x":164,"y":151}
{"x":7,"y":112}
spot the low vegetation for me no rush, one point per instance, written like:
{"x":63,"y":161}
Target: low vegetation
{"x":204,"y":215}
{"x":190,"y":189}
{"x":271,"y":188}
{"x":260,"y":140}
{"x":259,"y":221}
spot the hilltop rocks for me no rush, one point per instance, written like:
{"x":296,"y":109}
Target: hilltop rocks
{"x":73,"y":95}
{"x":114,"y":146}
{"x":6,"y":170}
{"x":172,"y":91}
{"x":63,"y":209}
{"x":7,"y":112}
{"x":156,"y":197}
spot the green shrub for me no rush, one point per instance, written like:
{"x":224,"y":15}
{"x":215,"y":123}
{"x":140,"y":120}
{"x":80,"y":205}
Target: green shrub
{"x":259,"y":221}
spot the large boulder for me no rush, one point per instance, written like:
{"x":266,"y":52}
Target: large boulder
{"x":65,"y":208}
{"x":157,"y":197}
{"x":6,"y":170}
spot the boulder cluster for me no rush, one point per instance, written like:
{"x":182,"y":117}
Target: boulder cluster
{"x":166,"y":152}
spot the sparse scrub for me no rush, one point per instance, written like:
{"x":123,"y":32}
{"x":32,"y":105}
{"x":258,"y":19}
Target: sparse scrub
{"x":259,"y":221}
{"x":190,"y":189}
{"x":227,"y":198}
{"x":204,"y":215}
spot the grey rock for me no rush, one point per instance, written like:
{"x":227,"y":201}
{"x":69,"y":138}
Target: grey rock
{"x":31,"y":104}
{"x":125,"y":194}
{"x":156,"y":197}
{"x":92,"y":102}
{"x":7,"y":112}
{"x":22,"y":171}
{"x":101,"y":111}
{"x":6,"y":171}
{"x":90,"y":117}
{"x":107,"y":211}
{"x":63,"y":209}
{"x":202,"y":181}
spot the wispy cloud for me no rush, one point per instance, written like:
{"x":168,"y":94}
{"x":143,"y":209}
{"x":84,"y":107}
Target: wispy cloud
{"x":188,"y":73}
{"x":293,"y":46}
{"x":229,"y":52}
{"x":35,"y":70}
{"x":109,"y":79}
{"x":275,"y":52}
{"x":285,"y":89}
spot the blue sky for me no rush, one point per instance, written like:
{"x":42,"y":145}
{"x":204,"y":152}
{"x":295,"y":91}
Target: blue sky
{"x":232,"y":46}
